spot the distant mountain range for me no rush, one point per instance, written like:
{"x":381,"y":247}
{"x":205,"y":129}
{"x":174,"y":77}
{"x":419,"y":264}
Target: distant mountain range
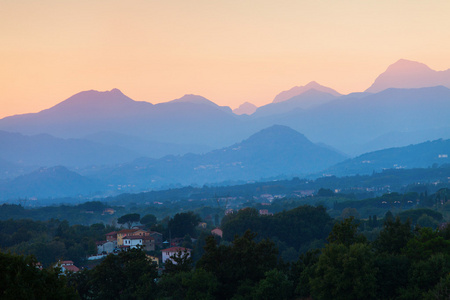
{"x":51,"y":182}
{"x":245,"y":108}
{"x":45,"y":150}
{"x":298,"y":90}
{"x":109,"y":138}
{"x":352,"y":123}
{"x":188,"y":120}
{"x":409,"y":74}
{"x":421,"y":155}
{"x":274,"y":151}
{"x":308,"y":99}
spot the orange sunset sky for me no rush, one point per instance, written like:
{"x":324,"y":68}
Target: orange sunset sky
{"x":227,"y":51}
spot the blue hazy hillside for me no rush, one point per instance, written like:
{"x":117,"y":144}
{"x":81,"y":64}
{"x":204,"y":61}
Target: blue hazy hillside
{"x":421,"y":155}
{"x":274,"y":151}
{"x":51,"y":182}
{"x":45,"y":150}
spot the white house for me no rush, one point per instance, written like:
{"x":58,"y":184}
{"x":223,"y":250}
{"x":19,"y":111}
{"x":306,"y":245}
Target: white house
{"x":132,"y":241}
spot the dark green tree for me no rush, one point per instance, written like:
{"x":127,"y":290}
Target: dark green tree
{"x":394,"y":236}
{"x":184,"y":223}
{"x":345,"y":272}
{"x":346,"y":233}
{"x":129,"y":219}
{"x":239,"y":266}
{"x":129,"y":275}
{"x":180,"y":262}
{"x":21,"y":279}
{"x":148,"y":220}
{"x":275,"y":286}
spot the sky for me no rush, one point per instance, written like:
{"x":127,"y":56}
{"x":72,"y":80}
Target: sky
{"x":227,"y":51}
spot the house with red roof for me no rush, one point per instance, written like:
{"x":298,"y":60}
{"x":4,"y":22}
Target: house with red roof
{"x":67,"y":266}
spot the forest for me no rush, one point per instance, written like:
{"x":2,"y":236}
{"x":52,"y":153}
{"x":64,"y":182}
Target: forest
{"x":298,"y":251}
{"x":402,"y":262}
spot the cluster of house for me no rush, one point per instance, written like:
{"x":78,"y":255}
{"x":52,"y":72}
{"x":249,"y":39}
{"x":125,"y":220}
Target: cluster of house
{"x":125,"y":239}
{"x":129,"y":239}
{"x":132,"y":238}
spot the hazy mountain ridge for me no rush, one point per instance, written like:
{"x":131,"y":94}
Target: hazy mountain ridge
{"x":309,"y":99}
{"x":180,"y":122}
{"x":409,"y":74}
{"x":144,"y":147}
{"x":298,"y":90}
{"x":114,"y":124}
{"x":346,"y":122}
{"x":45,"y":150}
{"x":245,"y":108}
{"x":421,"y":155}
{"x":257,"y":157}
{"x":49,"y":183}
{"x":273,"y":151}
{"x":350,"y":122}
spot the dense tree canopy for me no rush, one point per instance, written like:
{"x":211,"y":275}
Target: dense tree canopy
{"x":21,"y":279}
{"x":129,"y":219}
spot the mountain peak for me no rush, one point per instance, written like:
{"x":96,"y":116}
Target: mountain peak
{"x":409,"y":74}
{"x":277,"y":132}
{"x":246,"y":108}
{"x":298,"y":90}
{"x":404,"y":65}
{"x":115,"y":91}
{"x":191,"y":98}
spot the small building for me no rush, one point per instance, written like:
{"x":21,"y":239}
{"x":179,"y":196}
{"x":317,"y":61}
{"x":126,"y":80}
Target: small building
{"x":129,"y":232}
{"x":108,"y":211}
{"x":106,"y":246}
{"x":67,"y":266}
{"x":217,"y":231}
{"x":153,"y":259}
{"x":168,"y":253}
{"x":264,"y":212}
{"x":147,"y":242}
{"x":111,"y":236}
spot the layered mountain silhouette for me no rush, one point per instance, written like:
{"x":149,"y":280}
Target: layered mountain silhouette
{"x":153,"y":149}
{"x":44,"y":150}
{"x":409,"y":74}
{"x":196,"y":124}
{"x":297,"y":90}
{"x":125,"y":143}
{"x":245,"y":108}
{"x":188,"y":120}
{"x":421,"y":155}
{"x":49,"y":183}
{"x":274,"y":151}
{"x":349,"y":122}
{"x":310,"y":98}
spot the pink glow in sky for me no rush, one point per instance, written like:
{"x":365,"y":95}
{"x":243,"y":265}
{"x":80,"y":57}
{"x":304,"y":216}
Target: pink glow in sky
{"x":227,"y":51}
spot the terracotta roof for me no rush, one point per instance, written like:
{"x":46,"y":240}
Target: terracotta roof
{"x":127,"y":231}
{"x":112,"y":233}
{"x":71,"y":268}
{"x":176,"y":249}
{"x":138,"y":237}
